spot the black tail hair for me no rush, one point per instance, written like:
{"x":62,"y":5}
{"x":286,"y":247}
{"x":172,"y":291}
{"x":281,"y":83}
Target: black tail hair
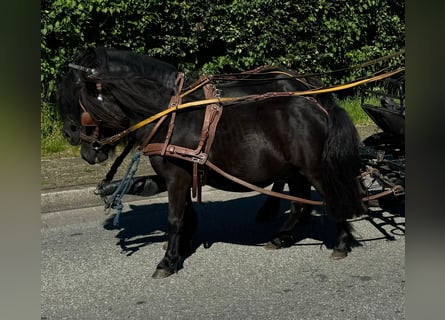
{"x":341,"y":161}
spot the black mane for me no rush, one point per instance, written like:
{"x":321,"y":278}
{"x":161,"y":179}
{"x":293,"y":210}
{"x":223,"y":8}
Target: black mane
{"x":127,"y":80}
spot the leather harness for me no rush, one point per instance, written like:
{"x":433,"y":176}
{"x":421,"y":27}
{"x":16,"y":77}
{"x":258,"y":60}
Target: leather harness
{"x":199,"y":155}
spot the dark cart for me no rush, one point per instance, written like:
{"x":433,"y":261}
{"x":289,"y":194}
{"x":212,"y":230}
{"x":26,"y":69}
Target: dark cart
{"x":383,"y":153}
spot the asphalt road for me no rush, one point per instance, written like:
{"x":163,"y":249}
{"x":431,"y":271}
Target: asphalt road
{"x":90,"y":270}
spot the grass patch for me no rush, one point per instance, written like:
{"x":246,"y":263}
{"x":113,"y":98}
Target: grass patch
{"x":355,"y":111}
{"x":55,"y":146}
{"x":52,"y":141}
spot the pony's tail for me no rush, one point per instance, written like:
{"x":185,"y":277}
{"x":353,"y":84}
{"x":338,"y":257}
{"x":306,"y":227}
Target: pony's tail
{"x":341,"y":161}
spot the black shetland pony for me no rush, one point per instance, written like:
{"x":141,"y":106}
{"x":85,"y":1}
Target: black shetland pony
{"x":277,"y":140}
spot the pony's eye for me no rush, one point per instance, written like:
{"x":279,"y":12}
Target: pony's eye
{"x":73,"y":128}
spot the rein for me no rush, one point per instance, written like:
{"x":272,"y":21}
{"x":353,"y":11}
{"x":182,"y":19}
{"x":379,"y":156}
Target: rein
{"x":232,"y":100}
{"x":304,"y":75}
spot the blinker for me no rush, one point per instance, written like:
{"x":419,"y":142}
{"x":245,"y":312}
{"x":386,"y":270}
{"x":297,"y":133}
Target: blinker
{"x":86,"y":120}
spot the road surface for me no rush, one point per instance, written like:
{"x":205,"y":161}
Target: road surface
{"x":90,"y":270}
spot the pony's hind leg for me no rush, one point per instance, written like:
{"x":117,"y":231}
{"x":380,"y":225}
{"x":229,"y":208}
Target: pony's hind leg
{"x":299,"y":213}
{"x":344,"y":237}
{"x":344,"y":240}
{"x":339,"y":211}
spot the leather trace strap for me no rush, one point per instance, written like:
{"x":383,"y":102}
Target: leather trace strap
{"x":396,"y":189}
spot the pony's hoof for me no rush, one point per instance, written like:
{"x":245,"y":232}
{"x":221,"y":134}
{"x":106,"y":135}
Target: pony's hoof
{"x":282,"y":241}
{"x":338,"y":254}
{"x":161,"y":274}
{"x":271,"y":246}
{"x":274,"y":244}
{"x":207,"y":244}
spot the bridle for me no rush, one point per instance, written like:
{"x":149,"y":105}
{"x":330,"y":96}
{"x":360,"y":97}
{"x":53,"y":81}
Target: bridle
{"x":86,"y":119}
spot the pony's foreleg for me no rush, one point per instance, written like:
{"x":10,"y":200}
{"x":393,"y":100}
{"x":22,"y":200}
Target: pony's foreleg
{"x":189,"y":227}
{"x":182,"y":221}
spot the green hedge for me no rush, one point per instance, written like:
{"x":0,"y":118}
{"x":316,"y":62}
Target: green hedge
{"x":223,"y":36}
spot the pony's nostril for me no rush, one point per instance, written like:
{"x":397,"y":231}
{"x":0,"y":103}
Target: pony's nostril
{"x":66,"y":134}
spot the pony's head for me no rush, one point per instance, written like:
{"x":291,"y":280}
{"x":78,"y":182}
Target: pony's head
{"x":104,"y":92}
{"x":81,"y":126}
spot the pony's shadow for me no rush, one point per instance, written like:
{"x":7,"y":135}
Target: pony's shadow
{"x":232,"y":221}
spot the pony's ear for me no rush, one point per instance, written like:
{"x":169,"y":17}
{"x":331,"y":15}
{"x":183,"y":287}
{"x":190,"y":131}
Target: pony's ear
{"x":102,"y":57}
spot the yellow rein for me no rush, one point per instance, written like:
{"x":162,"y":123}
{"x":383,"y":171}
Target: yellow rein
{"x":159,"y":115}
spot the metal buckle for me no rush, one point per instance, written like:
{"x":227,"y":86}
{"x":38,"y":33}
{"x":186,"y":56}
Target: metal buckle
{"x":201,"y":158}
{"x":96,"y":145}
